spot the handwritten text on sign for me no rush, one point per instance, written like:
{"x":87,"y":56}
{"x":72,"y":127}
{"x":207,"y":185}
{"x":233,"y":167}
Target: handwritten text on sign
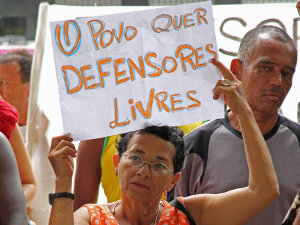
{"x":120,"y":72}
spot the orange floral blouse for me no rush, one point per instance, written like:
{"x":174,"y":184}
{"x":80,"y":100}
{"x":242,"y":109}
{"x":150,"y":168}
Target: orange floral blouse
{"x":100,"y":215}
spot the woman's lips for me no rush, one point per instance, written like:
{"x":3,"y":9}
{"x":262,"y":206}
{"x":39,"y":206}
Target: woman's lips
{"x":140,"y":185}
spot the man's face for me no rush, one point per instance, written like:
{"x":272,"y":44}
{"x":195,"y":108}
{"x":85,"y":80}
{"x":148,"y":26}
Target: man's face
{"x":11,"y":87}
{"x":267,"y":78}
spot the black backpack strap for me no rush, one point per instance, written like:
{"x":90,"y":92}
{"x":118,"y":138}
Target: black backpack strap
{"x":177,"y":204}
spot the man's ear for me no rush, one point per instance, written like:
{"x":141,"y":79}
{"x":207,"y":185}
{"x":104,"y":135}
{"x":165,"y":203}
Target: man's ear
{"x":176,"y":177}
{"x":236,"y":68}
{"x":116,"y":160}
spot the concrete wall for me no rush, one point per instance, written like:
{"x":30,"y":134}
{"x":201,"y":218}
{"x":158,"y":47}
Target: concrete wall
{"x":23,"y":8}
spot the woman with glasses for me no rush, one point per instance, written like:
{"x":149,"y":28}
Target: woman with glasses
{"x":148,"y":163}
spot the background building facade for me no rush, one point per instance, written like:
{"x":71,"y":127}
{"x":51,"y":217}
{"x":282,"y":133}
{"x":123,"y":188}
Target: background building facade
{"x":18,"y":18}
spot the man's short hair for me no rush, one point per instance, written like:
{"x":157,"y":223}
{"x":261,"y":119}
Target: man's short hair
{"x":247,"y":43}
{"x":170,"y":134}
{"x":23,"y":57}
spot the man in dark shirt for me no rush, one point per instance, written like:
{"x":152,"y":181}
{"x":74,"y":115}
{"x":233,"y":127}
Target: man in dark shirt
{"x":215,"y":160}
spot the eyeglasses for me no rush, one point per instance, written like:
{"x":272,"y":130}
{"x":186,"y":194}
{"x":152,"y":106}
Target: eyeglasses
{"x":158,"y":169}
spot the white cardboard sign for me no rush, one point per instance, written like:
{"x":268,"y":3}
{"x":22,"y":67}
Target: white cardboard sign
{"x":118,"y":73}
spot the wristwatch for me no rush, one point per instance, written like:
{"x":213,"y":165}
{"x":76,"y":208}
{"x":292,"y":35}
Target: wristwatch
{"x":53,"y":196}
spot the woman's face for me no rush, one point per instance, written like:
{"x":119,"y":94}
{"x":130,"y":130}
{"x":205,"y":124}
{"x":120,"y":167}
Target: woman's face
{"x":141,"y":182}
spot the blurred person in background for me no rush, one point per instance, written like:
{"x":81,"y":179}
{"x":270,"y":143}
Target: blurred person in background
{"x":16,"y":174}
{"x":12,"y":201}
{"x":15,"y":69}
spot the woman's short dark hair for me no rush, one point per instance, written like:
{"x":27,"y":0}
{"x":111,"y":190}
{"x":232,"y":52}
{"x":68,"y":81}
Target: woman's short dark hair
{"x":170,"y":134}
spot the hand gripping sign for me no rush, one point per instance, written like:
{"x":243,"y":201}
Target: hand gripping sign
{"x":118,"y":73}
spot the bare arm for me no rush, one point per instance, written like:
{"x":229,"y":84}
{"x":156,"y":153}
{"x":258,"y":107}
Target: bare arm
{"x":239,"y":205}
{"x":12,"y":201}
{"x":88,"y":168}
{"x":61,"y":154}
{"x":297,"y":220}
{"x":82,"y":217}
{"x":27,"y":177}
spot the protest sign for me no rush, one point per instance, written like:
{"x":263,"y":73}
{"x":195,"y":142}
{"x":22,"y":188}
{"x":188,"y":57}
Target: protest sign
{"x":118,"y":73}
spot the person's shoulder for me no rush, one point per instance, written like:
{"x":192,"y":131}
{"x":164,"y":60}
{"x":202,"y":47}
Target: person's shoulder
{"x":2,"y":137}
{"x":11,"y":189}
{"x":9,"y":117}
{"x":97,"y":211}
{"x":285,"y":119}
{"x":206,"y":128}
{"x":8,"y":110}
{"x":198,"y":140}
{"x":95,"y":207}
{"x":292,"y":125}
{"x":7,"y":158}
{"x":83,"y":215}
{"x":4,"y":145}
